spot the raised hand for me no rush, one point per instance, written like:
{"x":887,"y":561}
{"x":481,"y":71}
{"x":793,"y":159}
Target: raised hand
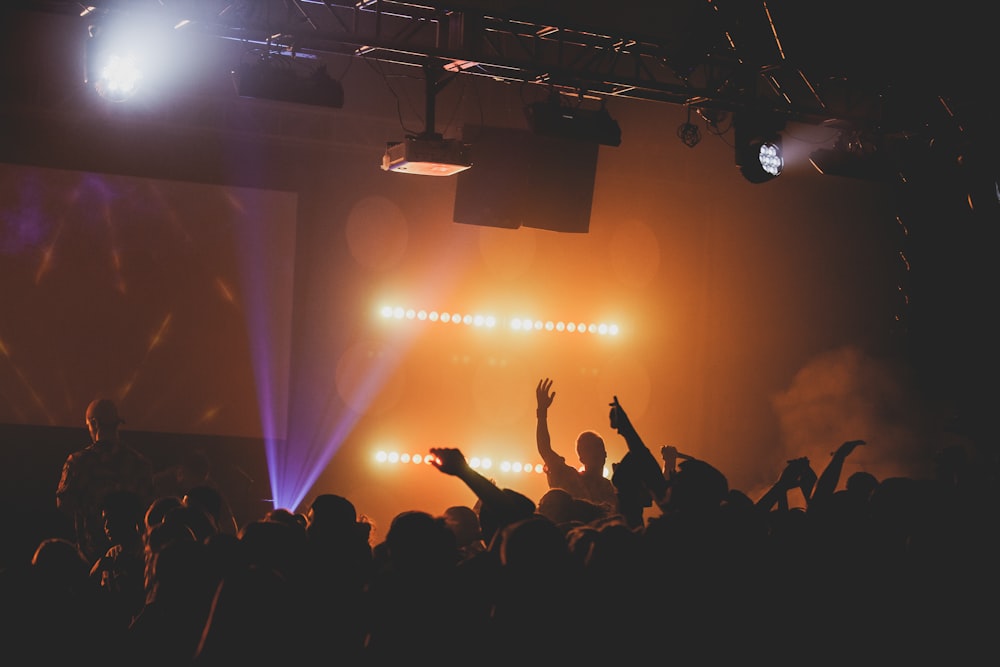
{"x":845,"y":449}
{"x":542,"y":395}
{"x":619,"y":420}
{"x":791,"y":476}
{"x":669,"y":455}
{"x":449,"y":460}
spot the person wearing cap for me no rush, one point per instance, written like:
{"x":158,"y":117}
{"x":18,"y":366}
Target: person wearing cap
{"x":89,"y":474}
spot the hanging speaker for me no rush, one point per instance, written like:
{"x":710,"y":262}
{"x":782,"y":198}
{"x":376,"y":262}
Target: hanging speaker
{"x":521,"y":179}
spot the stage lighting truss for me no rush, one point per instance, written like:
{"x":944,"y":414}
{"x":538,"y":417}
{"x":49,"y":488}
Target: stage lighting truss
{"x":487,"y":321}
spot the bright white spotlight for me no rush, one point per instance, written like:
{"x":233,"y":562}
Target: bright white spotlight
{"x":118,"y":77}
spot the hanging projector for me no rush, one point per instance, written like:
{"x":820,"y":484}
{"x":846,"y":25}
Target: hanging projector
{"x":427,"y":155}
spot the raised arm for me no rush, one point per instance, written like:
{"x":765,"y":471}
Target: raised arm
{"x":452,"y":462}
{"x":642,"y":462}
{"x":830,"y":477}
{"x":544,"y":398}
{"x":797,"y":474}
{"x":621,"y":423}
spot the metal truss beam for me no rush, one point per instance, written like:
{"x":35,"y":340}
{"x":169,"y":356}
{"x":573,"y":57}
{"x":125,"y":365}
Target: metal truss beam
{"x":720,"y":70}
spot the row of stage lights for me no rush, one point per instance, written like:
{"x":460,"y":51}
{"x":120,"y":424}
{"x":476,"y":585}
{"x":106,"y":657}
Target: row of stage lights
{"x":482,"y":464}
{"x":490,"y":321}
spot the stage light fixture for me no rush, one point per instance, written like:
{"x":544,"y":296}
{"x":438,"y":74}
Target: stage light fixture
{"x":760,"y":159}
{"x":113,"y":64}
{"x":286,"y":79}
{"x":758,"y":147}
{"x":688,"y":133}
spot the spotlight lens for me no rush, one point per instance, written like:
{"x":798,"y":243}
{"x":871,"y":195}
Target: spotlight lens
{"x":770,"y":159}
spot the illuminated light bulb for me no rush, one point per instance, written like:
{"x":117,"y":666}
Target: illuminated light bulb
{"x":467,"y":320}
{"x":410,"y":314}
{"x":456,"y":318}
{"x":491,"y":321}
{"x":479,"y":320}
{"x":505,"y":466}
{"x":381,"y":456}
{"x":433,"y":316}
{"x":560,"y":326}
{"x":602,"y":329}
{"x":539,"y":468}
{"x":515,"y":324}
{"x":386,"y":311}
{"x":429,"y":458}
{"x":486,"y":463}
{"x":515,"y":467}
{"x":445,"y":317}
{"x":550,"y":325}
{"x":571,"y":327}
{"x":581,"y":327}
{"x":404,"y":458}
{"x":592,"y":328}
{"x":119,"y":78}
{"x":417,"y":459}
{"x":538,"y":325}
{"x":613,"y":330}
{"x":421,"y":314}
{"x":398,"y":312}
{"x":393,"y":457}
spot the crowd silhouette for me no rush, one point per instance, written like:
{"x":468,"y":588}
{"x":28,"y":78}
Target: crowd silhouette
{"x":817,"y":569}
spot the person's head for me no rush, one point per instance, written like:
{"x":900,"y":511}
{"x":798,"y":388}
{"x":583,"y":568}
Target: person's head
{"x":862,"y":484}
{"x":123,"y":514}
{"x":698,"y":486}
{"x":207,"y":498}
{"x":419,"y":543}
{"x":157,"y":510}
{"x":557,"y":505}
{"x":591,"y":450}
{"x":102,"y":419}
{"x":330,"y":509}
{"x":464,"y":522}
{"x":516,"y":506}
